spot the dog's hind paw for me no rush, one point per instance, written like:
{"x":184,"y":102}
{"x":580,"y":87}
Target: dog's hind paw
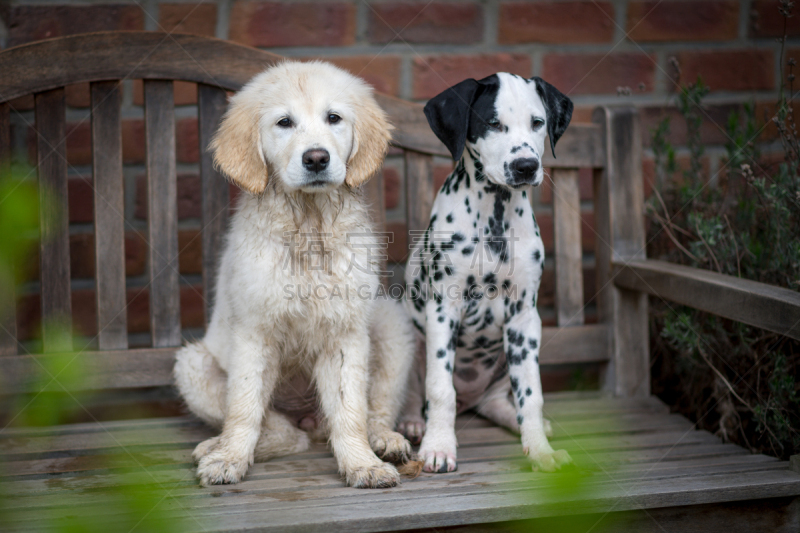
{"x":412,"y":428}
{"x":380,"y":476}
{"x":390,"y":446}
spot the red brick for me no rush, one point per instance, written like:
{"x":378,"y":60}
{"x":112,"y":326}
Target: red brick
{"x":582,"y":115}
{"x":764,"y":113}
{"x":599,"y":73}
{"x":440,"y":173}
{"x":184,"y":92}
{"x":81,"y":255}
{"x":277,"y":24}
{"x":135,"y":253}
{"x":382,"y":72}
{"x":391,"y":187}
{"x":79,"y":143}
{"x":556,"y":22}
{"x":190,"y":252}
{"x":433,"y":74}
{"x":133,"y":141}
{"x":547,"y":287}
{"x":729,"y":70}
{"x":192,"y":306}
{"x":398,"y":249}
{"x":767,"y":21}
{"x":654,"y":21}
{"x":36,"y":22}
{"x":425,"y":22}
{"x":187,"y":141}
{"x":682,"y":163}
{"x":545,"y":221}
{"x":80,"y":195}
{"x":585,"y":183}
{"x":189,"y":197}
{"x":78,"y":95}
{"x":712,"y":130}
{"x":197,"y":18}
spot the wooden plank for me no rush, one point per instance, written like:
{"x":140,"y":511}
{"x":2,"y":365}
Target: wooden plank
{"x":54,"y":221}
{"x":619,"y":201}
{"x":100,"y":56}
{"x":109,"y":216}
{"x":8,"y":326}
{"x":578,"y":344}
{"x":162,"y":214}
{"x":439,"y":505}
{"x":212,"y":102}
{"x":101,"y":370}
{"x":419,"y":192}
{"x":153,"y":367}
{"x":569,"y":253}
{"x":757,"y":304}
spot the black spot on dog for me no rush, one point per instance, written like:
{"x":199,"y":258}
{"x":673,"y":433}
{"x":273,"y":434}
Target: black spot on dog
{"x":448,"y":270}
{"x":457,"y":237}
{"x":536,"y":359}
{"x":449,"y":218}
{"x":514,"y":337}
{"x":533,"y":343}
{"x":440,"y":319}
{"x":521,"y":402}
{"x":448,"y":367}
{"x":537,"y":255}
{"x":467,"y":250}
{"x":520,"y":419}
{"x":438,"y":276}
{"x":528,"y":391}
{"x":440,"y":353}
{"x":514,"y":383}
{"x":490,"y":278}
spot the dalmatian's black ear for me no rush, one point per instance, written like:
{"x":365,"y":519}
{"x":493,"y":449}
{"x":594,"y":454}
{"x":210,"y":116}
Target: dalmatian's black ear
{"x":448,"y":115}
{"x":559,"y":110}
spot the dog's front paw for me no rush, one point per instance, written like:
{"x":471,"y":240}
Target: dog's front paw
{"x":390,"y":446}
{"x":548,"y":460}
{"x":204,"y":448}
{"x":381,"y":476}
{"x":413,"y":428}
{"x":218,"y":465}
{"x":439,"y":455}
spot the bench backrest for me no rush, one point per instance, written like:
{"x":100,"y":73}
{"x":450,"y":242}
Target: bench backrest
{"x":611,"y":147}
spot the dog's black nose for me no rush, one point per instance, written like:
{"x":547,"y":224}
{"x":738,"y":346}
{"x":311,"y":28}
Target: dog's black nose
{"x":316,"y":160}
{"x":524,"y":169}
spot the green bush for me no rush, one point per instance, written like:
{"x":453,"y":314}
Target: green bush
{"x":736,"y":380}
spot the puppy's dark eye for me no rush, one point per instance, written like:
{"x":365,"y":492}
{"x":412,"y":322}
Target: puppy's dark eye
{"x":333,"y":118}
{"x":285,"y":122}
{"x":537,"y":123}
{"x":494,"y":123}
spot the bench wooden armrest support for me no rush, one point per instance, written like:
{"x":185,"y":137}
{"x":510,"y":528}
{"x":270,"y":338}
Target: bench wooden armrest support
{"x":757,"y":304}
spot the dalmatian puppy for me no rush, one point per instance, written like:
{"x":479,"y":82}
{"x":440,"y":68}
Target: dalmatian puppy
{"x":473,"y":276}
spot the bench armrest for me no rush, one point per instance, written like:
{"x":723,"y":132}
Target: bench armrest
{"x":757,"y":304}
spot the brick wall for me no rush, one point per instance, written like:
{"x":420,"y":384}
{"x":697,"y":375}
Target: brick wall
{"x":603,"y":52}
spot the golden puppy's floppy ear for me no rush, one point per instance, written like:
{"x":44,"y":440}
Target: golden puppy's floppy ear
{"x":372,"y":133}
{"x":237,"y":147}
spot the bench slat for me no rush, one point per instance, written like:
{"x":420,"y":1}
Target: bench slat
{"x":54,"y":221}
{"x":152,"y":367}
{"x":109,"y":216}
{"x":162,"y":215}
{"x":569,"y":255}
{"x":8,"y":329}
{"x":211,"y":106}
{"x":419,"y":191}
{"x":375,"y":197}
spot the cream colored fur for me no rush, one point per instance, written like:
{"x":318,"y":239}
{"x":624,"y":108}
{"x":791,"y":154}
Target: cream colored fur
{"x":278,"y":320}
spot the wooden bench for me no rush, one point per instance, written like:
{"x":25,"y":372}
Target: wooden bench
{"x":640,"y":467}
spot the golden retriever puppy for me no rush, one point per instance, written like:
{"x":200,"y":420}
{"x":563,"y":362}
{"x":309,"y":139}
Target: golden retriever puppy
{"x":299,"y":321}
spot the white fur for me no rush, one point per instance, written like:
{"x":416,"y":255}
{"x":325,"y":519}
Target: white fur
{"x":274,"y":348}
